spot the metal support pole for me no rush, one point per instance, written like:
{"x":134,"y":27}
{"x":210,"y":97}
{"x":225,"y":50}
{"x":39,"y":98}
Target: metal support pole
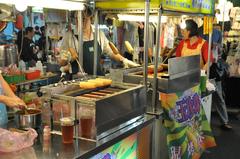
{"x":95,"y":43}
{"x":80,"y":37}
{"x":47,"y":42}
{"x":157,"y":53}
{"x":209,"y":53}
{"x":146,"y":34}
{"x":223,"y":22}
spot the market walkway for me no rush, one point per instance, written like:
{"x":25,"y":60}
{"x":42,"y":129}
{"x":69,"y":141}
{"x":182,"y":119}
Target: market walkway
{"x":228,"y":141}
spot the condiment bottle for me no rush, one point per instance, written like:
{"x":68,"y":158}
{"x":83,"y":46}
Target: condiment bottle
{"x":46,"y":133}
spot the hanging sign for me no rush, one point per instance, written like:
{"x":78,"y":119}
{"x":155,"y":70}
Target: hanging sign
{"x":189,"y":6}
{"x":188,"y":130}
{"x":126,"y":4}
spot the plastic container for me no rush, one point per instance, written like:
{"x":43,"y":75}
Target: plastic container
{"x":39,"y":67}
{"x":33,"y":75}
{"x":86,"y":117}
{"x":46,"y":133}
{"x":14,"y":78}
{"x":22,"y":66}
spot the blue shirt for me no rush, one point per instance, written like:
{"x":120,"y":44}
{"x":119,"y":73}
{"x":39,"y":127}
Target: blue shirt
{"x":3,"y":111}
{"x":216,"y":36}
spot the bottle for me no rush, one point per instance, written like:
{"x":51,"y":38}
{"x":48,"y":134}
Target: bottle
{"x":22,"y":65}
{"x":39,"y":67}
{"x":46,"y":133}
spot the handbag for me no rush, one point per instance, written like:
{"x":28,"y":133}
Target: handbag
{"x":219,"y":70}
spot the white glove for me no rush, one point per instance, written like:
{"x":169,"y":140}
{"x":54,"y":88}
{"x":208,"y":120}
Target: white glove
{"x":127,"y":63}
{"x":62,"y":69}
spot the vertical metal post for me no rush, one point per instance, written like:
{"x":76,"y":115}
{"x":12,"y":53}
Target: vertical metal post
{"x":157,"y":53}
{"x":47,"y":43}
{"x":146,"y":33}
{"x":95,"y":43}
{"x":46,"y":36}
{"x":51,"y":113}
{"x":209,"y":52}
{"x":223,"y":22}
{"x":80,"y":37}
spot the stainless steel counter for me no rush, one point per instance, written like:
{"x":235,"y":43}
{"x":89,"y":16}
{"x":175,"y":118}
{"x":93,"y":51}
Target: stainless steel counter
{"x":81,"y":149}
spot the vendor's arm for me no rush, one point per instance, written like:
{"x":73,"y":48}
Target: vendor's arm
{"x":179,"y":49}
{"x":9,"y":98}
{"x":107,"y":49}
{"x":117,"y":57}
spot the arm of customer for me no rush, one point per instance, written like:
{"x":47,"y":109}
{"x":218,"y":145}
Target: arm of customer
{"x":9,"y":98}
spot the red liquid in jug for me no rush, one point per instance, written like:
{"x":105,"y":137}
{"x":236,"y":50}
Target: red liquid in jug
{"x":86,"y":126}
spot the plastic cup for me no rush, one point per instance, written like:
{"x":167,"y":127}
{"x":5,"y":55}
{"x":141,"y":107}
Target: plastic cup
{"x":86,"y":126}
{"x":87,"y":118}
{"x":67,"y":125}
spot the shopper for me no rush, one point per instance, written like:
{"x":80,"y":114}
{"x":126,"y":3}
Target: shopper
{"x":28,"y":49}
{"x":7,"y":97}
{"x":218,"y":101}
{"x":37,"y":34}
{"x":42,"y":43}
{"x":192,"y":44}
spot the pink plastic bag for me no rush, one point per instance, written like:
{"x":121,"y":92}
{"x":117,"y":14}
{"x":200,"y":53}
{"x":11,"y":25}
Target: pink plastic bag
{"x":14,"y":141}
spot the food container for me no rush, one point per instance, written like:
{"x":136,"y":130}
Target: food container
{"x":14,"y":78}
{"x":30,"y":120}
{"x":33,"y":75}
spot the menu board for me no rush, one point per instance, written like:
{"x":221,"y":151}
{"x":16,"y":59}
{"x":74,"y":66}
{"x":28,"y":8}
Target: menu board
{"x":188,"y":6}
{"x":188,"y":130}
{"x":127,"y":148}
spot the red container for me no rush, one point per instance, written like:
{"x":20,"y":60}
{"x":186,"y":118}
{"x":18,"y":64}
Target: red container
{"x":33,"y":75}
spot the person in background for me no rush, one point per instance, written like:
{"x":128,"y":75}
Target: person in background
{"x":88,"y":48}
{"x":192,"y":44}
{"x":37,"y":34}
{"x":7,"y":97}
{"x":28,"y":50}
{"x":218,"y":101}
{"x":42,"y":43}
{"x":103,"y":47}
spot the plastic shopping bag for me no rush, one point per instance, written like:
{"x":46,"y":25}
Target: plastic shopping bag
{"x":15,"y":141}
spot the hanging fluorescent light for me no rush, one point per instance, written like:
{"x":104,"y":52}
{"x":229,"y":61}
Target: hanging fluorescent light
{"x":140,"y":18}
{"x":21,"y":7}
{"x":53,"y":4}
{"x":183,"y":25}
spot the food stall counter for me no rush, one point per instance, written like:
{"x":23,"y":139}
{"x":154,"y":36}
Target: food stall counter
{"x":83,"y":148}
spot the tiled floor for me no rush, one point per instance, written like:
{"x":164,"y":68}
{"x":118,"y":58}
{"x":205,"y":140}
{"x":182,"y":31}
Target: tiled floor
{"x":228,"y":142}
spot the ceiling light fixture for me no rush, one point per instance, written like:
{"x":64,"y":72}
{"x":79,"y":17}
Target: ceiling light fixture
{"x":53,"y":4}
{"x":140,"y":18}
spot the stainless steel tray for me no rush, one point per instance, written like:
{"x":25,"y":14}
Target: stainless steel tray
{"x":183,"y":73}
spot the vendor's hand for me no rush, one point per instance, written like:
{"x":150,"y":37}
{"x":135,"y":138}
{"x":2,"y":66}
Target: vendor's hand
{"x":127,"y":63}
{"x":14,"y":102}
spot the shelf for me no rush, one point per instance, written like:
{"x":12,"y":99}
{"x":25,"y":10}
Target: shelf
{"x":36,"y":80}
